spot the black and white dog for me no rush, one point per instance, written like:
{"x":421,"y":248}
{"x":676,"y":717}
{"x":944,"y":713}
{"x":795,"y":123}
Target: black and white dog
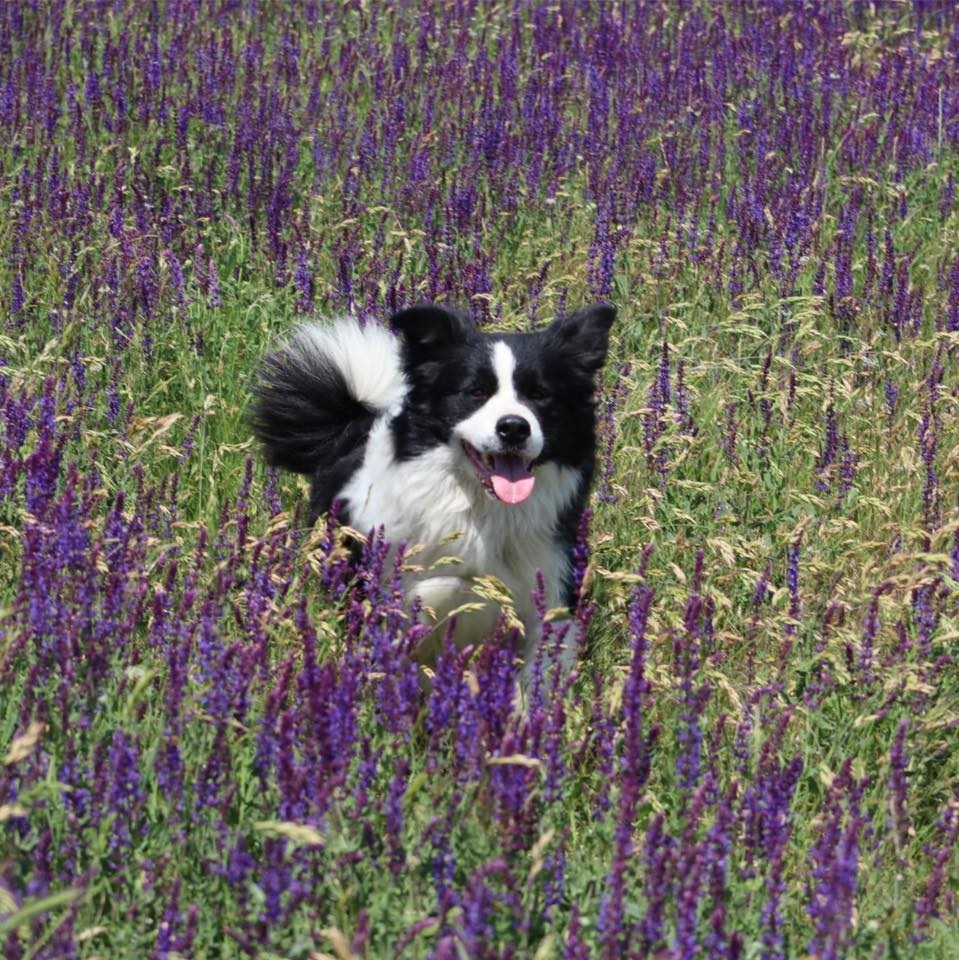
{"x":478,"y":446}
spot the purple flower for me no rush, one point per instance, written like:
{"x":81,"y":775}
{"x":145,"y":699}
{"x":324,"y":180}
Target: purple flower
{"x":686,"y":663}
{"x":952,"y":318}
{"x":732,"y":429}
{"x":17,"y":297}
{"x":394,"y":817}
{"x":897,"y":786}
{"x":658,"y":861}
{"x":830,"y":446}
{"x":176,"y":277}
{"x":681,"y":393}
{"x":941,"y":851}
{"x":303,"y":279}
{"x":124,"y":796}
{"x":606,"y":428}
{"x":792,"y":585}
{"x":575,"y":947}
{"x":634,"y":769}
{"x":833,"y":880}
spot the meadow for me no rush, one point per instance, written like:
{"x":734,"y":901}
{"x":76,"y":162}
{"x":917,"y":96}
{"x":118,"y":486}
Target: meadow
{"x":213,"y":739}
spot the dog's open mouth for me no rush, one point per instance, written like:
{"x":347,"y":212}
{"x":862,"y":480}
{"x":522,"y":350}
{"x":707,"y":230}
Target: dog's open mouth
{"x":506,"y":475}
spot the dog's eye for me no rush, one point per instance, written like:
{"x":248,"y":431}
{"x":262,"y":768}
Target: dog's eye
{"x":536,"y":392}
{"x":479,"y":393}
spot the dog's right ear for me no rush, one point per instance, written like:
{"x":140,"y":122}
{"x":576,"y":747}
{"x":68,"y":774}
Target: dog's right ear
{"x":584,"y":335}
{"x":428,"y":326}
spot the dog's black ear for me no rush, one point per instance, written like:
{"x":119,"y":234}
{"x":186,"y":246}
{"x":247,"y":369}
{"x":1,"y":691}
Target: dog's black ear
{"x":427,"y":326}
{"x":584,"y":335}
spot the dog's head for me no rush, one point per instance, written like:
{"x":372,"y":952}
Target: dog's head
{"x":505,"y":403}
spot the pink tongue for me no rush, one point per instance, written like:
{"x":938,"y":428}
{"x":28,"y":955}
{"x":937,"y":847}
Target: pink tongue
{"x":512,"y":482}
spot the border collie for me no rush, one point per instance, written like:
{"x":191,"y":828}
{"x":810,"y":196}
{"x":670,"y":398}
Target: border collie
{"x":480,"y":447}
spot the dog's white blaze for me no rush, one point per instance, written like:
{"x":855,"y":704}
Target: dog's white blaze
{"x":480,"y":429}
{"x":504,"y":366}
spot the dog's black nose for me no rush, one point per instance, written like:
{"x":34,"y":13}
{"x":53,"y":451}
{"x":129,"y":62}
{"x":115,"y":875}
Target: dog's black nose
{"x":512,"y":429}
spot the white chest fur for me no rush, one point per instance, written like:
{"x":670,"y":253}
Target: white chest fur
{"x":435,"y":501}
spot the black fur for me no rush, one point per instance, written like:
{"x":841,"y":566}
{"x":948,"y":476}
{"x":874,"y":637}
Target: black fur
{"x":309,"y":422}
{"x":446,"y":361}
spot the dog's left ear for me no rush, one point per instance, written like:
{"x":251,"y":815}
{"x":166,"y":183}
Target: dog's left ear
{"x":428,"y":326}
{"x":584,"y":335}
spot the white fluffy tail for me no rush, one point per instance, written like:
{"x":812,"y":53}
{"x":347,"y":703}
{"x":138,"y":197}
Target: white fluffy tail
{"x":368,"y":357}
{"x":317,"y":397}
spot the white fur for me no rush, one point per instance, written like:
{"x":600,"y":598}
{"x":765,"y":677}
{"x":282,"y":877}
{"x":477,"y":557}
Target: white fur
{"x":480,"y":429}
{"x":368,"y":357}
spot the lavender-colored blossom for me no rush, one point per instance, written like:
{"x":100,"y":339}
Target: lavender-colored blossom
{"x":687,"y":661}
{"x":835,"y":864}
{"x":176,"y":276}
{"x":952,"y":317}
{"x":17,"y":296}
{"x":720,"y":942}
{"x":659,"y":864}
{"x":634,"y":770}
{"x":394,"y":817}
{"x":792,"y":585}
{"x":305,"y":286}
{"x":681,"y":393}
{"x":941,"y":851}
{"x":575,"y":948}
{"x":732,"y":429}
{"x":897,"y":786}
{"x":664,"y":391}
{"x":125,"y":795}
{"x":829,"y":447}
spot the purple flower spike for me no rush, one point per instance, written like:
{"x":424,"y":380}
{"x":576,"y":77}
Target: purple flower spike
{"x":833,"y":880}
{"x":897,"y":786}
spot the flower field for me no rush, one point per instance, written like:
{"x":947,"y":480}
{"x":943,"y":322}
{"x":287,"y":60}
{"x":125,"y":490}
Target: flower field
{"x":213,"y":739}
